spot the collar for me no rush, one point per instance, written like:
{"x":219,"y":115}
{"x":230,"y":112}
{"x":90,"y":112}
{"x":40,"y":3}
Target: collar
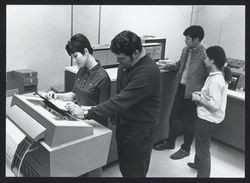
{"x":93,"y":69}
{"x":143,"y":53}
{"x":215,"y":73}
{"x":197,"y":49}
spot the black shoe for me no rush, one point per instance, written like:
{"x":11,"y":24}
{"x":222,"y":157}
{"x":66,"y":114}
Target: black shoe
{"x":192,"y":165}
{"x":163,"y":145}
{"x":181,"y":153}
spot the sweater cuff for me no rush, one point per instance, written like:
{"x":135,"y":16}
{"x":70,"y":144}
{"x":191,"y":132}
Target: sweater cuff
{"x":89,"y":114}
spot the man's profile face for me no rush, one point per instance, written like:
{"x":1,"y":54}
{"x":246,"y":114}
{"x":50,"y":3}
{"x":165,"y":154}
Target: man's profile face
{"x":189,"y":42}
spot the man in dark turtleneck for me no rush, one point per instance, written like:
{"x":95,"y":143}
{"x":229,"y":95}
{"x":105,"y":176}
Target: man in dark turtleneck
{"x":136,"y":104}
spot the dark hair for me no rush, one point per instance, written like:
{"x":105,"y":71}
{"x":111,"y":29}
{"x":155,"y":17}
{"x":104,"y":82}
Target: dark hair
{"x":217,"y":53}
{"x":126,"y":42}
{"x":77,"y":43}
{"x":194,"y":31}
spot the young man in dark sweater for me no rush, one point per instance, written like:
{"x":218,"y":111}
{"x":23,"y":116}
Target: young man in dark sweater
{"x":136,"y":105}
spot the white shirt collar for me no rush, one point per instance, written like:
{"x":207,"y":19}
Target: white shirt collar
{"x":215,"y":73}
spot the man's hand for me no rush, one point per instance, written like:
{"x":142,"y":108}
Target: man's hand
{"x":75,"y":110}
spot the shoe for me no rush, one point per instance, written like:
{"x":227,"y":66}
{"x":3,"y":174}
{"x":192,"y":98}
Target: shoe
{"x":163,"y":145}
{"x":192,"y":165}
{"x":180,"y":154}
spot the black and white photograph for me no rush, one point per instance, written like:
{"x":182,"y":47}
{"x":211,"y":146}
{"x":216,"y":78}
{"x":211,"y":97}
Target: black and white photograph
{"x":125,"y":91}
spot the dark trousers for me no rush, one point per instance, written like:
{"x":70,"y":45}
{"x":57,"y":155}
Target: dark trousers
{"x":183,"y":115}
{"x":203,"y":132}
{"x":134,"y":147}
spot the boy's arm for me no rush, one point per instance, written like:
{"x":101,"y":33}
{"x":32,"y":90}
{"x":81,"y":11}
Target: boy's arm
{"x":213,"y":101}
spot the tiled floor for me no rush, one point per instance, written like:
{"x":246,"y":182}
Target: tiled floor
{"x":226,"y":162}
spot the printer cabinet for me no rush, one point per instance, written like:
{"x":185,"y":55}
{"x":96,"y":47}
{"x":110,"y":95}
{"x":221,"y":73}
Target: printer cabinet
{"x":62,"y":146}
{"x":69,"y":80}
{"x":70,"y":159}
{"x":167,"y":98}
{"x":231,"y":130}
{"x":112,"y":150}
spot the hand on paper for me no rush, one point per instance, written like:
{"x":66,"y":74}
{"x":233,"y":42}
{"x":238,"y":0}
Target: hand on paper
{"x":75,"y":110}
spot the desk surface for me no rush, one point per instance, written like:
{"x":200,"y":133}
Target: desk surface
{"x":236,"y":94}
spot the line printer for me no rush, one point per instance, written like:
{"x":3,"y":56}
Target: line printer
{"x":55,"y":143}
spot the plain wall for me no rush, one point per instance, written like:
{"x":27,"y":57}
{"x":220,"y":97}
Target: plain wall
{"x":86,"y":21}
{"x":37,"y":34}
{"x":224,"y":26}
{"x":36,"y":39}
{"x":161,"y":21}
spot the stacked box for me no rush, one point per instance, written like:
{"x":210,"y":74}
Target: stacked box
{"x":29,"y":78}
{"x":13,"y":85}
